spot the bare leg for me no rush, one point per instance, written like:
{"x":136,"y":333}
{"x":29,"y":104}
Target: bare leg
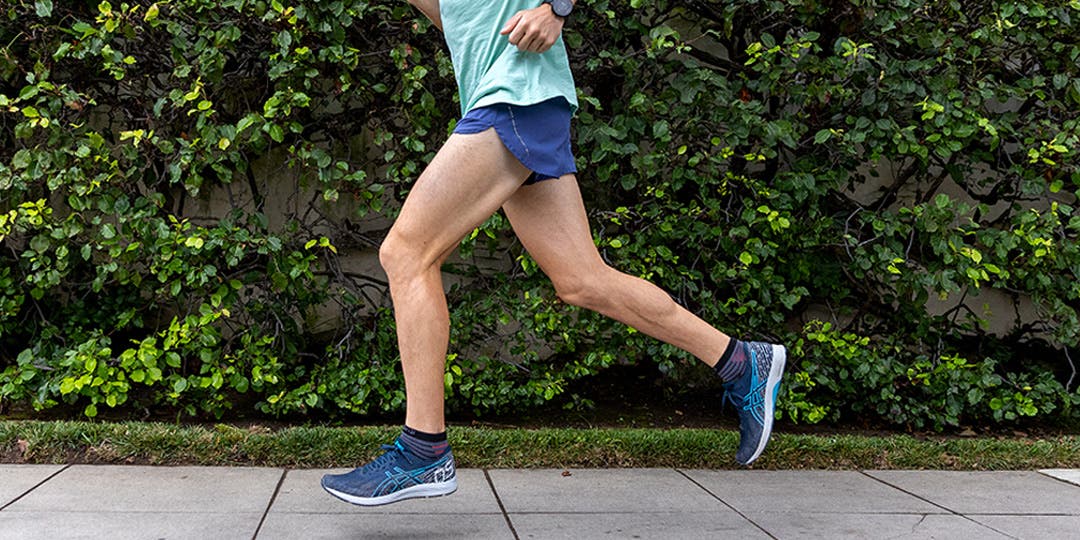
{"x":470,"y":177}
{"x":549,"y":219}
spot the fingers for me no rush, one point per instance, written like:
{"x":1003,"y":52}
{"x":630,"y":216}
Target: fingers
{"x":511,"y":24}
{"x":532,"y":30}
{"x":529,"y":41}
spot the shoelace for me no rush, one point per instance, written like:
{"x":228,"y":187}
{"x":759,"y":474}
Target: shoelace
{"x":726,"y":398}
{"x":391,"y":454}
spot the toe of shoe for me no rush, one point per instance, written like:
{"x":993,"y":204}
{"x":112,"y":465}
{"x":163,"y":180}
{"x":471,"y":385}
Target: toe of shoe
{"x":748,"y":444}
{"x":743,"y":456}
{"x":332,"y":481}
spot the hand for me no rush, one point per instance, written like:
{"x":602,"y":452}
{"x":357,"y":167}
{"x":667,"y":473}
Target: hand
{"x":534,"y":30}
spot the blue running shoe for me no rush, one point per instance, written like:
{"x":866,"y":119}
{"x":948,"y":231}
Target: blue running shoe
{"x":754,"y":397}
{"x":394,"y":476}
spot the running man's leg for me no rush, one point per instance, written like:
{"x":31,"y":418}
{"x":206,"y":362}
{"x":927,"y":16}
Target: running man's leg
{"x":549,"y":218}
{"x":466,"y":182}
{"x":470,"y":177}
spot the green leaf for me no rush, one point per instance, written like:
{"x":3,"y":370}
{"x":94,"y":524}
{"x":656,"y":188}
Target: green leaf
{"x":277,"y":134}
{"x":43,"y":8}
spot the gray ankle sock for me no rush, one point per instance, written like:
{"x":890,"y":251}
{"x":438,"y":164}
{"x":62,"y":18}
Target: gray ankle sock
{"x":425,"y":445}
{"x":732,"y":363}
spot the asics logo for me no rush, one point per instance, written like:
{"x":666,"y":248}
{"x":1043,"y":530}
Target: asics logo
{"x":444,"y":473}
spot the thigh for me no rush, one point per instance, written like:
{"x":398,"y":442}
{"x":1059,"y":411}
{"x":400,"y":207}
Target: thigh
{"x":466,"y":182}
{"x":549,"y":218}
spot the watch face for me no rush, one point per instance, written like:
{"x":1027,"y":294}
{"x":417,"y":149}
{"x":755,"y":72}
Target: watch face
{"x":562,"y":8}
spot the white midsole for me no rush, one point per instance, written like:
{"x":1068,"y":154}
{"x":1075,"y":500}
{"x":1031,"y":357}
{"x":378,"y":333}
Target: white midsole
{"x":775,"y":372}
{"x":435,"y":489}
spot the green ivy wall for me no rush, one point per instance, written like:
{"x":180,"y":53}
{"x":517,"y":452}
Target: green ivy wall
{"x":192,"y":192}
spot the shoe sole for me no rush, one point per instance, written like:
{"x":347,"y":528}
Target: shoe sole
{"x":776,"y":371}
{"x":422,"y":491}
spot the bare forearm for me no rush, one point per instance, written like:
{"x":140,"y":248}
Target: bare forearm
{"x":430,"y":8}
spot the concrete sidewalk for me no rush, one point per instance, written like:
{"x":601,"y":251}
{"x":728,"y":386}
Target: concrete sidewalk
{"x":130,"y":502}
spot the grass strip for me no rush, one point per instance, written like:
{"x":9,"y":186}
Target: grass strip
{"x":480,"y":447}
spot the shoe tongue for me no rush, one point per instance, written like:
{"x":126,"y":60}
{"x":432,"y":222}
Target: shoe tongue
{"x":393,"y":454}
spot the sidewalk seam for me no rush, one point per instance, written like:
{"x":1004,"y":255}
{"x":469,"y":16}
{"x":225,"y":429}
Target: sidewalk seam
{"x":941,"y":506}
{"x":1062,"y":480}
{"x":502,"y":508}
{"x":725,"y":503}
{"x":270,"y":504}
{"x":35,"y":486}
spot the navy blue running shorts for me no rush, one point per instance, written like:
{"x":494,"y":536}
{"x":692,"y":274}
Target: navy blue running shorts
{"x":538,"y":135}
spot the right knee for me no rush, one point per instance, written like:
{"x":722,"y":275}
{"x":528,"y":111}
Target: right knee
{"x":399,"y":259}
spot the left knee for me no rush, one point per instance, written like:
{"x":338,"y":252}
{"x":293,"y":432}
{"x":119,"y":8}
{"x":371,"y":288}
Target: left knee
{"x":585,"y":290}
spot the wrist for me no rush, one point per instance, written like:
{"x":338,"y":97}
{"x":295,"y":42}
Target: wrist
{"x":560,"y":8}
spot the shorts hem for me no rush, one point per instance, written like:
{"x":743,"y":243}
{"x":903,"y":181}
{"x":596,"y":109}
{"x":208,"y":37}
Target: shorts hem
{"x":545,"y":158}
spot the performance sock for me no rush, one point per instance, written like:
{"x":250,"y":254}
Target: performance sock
{"x":425,"y":445}
{"x":732,"y":363}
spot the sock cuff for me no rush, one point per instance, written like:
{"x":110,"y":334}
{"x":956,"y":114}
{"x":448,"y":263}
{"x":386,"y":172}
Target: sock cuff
{"x":732,"y":344}
{"x":424,"y":436}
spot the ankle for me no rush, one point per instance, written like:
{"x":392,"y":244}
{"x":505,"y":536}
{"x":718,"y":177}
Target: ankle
{"x":732,"y":363}
{"x":424,"y":444}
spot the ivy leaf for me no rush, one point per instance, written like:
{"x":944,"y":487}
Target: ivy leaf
{"x":43,"y":8}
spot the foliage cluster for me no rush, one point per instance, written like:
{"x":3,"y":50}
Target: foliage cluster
{"x":730,"y":152}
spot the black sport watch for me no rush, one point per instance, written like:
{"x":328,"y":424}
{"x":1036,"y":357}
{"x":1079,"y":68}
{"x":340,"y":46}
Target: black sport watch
{"x":562,"y":8}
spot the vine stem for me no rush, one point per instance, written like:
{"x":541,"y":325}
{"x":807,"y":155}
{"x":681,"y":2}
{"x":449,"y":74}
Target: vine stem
{"x":1068,"y":385}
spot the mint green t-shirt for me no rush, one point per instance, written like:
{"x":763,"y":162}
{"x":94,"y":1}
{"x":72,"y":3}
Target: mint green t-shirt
{"x":489,"y":69}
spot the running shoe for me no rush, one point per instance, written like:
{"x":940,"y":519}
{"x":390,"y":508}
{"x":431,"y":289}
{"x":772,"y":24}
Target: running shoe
{"x":754,"y":397}
{"x":394,"y":476}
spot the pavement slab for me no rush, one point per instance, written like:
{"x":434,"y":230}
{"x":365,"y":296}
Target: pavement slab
{"x":99,"y":525}
{"x":1035,"y":527}
{"x":813,"y":526}
{"x":643,"y":525}
{"x":16,"y":480}
{"x":290,"y":526}
{"x":1071,"y":476}
{"x":134,"y":502}
{"x":302,"y":493}
{"x":123,"y":488}
{"x":845,"y":492}
{"x":984,"y":492}
{"x":595,"y":491}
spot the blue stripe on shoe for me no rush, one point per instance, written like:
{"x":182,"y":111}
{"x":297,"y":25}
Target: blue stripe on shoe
{"x":400,"y":478}
{"x":754,"y":400}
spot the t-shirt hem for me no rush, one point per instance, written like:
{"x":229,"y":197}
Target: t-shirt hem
{"x":496,"y":99}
